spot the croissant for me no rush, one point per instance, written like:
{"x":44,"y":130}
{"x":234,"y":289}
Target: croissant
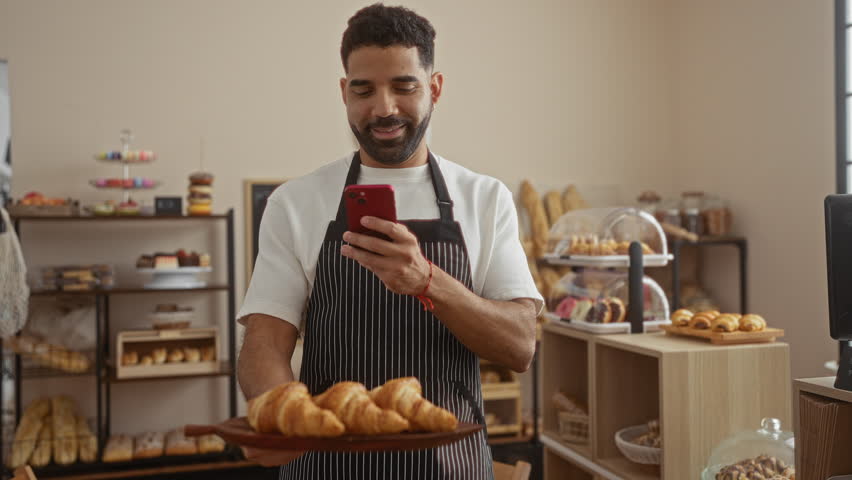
{"x":681,"y":318}
{"x":702,"y":320}
{"x":353,"y":405}
{"x":289,"y":409}
{"x":725,"y":323}
{"x":752,"y":323}
{"x":405,"y":395}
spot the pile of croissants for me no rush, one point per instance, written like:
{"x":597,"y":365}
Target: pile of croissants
{"x":348,"y":408}
{"x":719,"y":322}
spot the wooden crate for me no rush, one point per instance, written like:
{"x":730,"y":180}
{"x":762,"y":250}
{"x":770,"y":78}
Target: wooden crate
{"x":145,"y":341}
{"x":502,"y":399}
{"x":701,"y":393}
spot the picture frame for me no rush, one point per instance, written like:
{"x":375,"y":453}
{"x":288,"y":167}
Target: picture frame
{"x":255,"y":193}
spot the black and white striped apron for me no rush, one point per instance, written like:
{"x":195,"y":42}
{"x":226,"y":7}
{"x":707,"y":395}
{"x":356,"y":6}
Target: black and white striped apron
{"x":357,"y":329}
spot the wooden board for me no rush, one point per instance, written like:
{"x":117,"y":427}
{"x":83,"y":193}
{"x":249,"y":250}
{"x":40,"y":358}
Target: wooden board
{"x":238,"y":431}
{"x":725,"y":338}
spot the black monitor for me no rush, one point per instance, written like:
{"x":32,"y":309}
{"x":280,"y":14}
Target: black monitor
{"x":838,"y":251}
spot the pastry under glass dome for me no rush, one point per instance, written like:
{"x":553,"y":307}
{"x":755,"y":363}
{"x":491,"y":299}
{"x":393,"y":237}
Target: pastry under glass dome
{"x":767,"y":452}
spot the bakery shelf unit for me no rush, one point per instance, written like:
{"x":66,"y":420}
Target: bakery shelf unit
{"x":103,"y":372}
{"x":606,"y":239}
{"x":740,"y":243}
{"x":700,"y":393}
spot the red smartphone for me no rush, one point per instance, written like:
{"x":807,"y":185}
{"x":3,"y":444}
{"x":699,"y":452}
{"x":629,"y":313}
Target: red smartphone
{"x":369,"y":201}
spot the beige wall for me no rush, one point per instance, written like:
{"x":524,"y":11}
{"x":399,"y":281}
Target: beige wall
{"x":557,"y":91}
{"x":754,"y":121}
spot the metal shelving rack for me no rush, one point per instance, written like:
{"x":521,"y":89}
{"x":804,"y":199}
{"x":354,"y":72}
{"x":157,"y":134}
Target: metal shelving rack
{"x":103,"y":374}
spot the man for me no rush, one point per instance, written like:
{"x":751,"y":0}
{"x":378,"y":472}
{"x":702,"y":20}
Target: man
{"x":450,"y":286}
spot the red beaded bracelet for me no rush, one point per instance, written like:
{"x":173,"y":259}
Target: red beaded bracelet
{"x":426,"y":301}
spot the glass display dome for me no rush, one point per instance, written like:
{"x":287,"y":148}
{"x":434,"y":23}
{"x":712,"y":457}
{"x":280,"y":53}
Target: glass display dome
{"x":602,"y":237}
{"x":597,"y":301}
{"x":765,"y":453}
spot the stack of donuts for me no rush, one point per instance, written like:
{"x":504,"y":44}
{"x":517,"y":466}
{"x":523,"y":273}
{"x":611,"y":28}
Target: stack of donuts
{"x":718,"y":322}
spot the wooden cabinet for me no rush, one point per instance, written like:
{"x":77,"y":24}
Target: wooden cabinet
{"x":701,"y":394}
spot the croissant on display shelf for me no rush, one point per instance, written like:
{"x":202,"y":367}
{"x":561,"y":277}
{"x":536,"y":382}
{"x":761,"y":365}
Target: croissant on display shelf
{"x":352,"y":404}
{"x":404,"y":395}
{"x":752,"y":323}
{"x":681,"y":317}
{"x":725,"y":323}
{"x":289,"y":409}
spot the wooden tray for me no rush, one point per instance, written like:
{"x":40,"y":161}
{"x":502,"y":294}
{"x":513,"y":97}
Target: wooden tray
{"x":238,"y":431}
{"x":724,"y":338}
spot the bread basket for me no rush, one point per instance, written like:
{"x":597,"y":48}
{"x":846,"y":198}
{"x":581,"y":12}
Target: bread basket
{"x":637,"y":453}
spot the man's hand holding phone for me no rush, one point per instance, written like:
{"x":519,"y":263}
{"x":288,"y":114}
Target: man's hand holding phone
{"x":398,"y":262}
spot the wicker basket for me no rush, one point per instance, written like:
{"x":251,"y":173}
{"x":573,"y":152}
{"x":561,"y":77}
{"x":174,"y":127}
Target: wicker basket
{"x":637,"y":453}
{"x":574,"y":428}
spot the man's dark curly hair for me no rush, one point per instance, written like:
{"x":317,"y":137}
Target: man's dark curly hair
{"x":381,"y":26}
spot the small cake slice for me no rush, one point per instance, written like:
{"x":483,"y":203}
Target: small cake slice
{"x":165,"y":262}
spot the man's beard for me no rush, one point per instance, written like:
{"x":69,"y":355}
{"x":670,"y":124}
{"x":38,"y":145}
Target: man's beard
{"x":397,"y":150}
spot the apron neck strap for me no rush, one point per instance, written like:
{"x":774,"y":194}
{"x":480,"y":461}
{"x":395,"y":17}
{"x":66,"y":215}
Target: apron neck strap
{"x":445,"y":203}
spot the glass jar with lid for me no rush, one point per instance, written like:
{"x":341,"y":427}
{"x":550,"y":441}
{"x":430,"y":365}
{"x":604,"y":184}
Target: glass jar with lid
{"x":767,"y":452}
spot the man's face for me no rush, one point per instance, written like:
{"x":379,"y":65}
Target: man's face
{"x":389,"y":98}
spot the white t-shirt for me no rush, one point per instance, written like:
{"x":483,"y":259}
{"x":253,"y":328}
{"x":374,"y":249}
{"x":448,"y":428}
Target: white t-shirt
{"x":297,"y":215}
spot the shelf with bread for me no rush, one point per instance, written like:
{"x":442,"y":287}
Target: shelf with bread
{"x":56,"y":441}
{"x":502,"y":399}
{"x":633,"y":389}
{"x":206,"y":352}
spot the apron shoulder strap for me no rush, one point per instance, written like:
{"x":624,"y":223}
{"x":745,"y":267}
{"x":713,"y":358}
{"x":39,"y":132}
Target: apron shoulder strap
{"x":445,"y":203}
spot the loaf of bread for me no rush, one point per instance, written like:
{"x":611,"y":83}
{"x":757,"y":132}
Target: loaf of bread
{"x":539,"y":228}
{"x":64,"y":430}
{"x":210,"y":444}
{"x":87,"y":441}
{"x":25,"y":440}
{"x":191,"y":354}
{"x":208,"y":354}
{"x":176,"y":356}
{"x":159,"y":355}
{"x":404,"y":395}
{"x":354,"y":407}
{"x":119,"y":448}
{"x":44,"y":447}
{"x":148,"y":445}
{"x":179,"y":444}
{"x":290,"y":410}
{"x":553,"y":206}
{"x":572,"y":200}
